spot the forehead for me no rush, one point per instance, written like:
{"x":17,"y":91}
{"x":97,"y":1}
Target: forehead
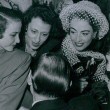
{"x":80,"y":24}
{"x":13,"y":22}
{"x":13,"y":26}
{"x":39,"y":24}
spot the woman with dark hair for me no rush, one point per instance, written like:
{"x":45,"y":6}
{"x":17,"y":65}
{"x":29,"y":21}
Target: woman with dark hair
{"x":43,"y":30}
{"x":85,"y":25}
{"x":43,"y":34}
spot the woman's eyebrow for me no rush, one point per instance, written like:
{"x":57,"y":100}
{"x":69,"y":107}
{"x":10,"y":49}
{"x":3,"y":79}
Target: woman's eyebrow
{"x":85,"y":31}
{"x":73,"y":28}
{"x":34,"y":29}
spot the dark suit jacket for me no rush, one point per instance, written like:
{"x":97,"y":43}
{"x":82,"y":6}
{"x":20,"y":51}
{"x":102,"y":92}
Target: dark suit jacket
{"x":84,"y":102}
{"x":56,"y":104}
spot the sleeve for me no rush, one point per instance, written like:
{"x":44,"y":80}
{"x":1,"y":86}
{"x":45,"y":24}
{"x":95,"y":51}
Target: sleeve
{"x":13,"y":90}
{"x":99,"y":85}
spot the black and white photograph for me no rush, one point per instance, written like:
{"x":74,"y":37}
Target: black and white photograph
{"x":54,"y":54}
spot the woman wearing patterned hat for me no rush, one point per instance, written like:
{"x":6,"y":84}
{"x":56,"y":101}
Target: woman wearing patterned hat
{"x":85,"y":25}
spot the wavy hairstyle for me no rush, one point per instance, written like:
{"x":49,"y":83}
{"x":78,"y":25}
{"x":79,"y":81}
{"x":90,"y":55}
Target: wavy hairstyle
{"x":49,"y":16}
{"x":51,"y":75}
{"x":6,"y":16}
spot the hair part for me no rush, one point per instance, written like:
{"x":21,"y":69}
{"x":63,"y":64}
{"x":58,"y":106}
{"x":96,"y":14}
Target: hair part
{"x":51,"y":76}
{"x":6,"y":17}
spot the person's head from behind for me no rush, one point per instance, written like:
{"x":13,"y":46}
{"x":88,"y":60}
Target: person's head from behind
{"x":10,"y":26}
{"x":50,"y":77}
{"x":84,"y":22}
{"x":39,"y":20}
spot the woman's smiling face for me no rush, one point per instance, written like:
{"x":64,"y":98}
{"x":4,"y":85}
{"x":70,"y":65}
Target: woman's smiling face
{"x":81,"y":33}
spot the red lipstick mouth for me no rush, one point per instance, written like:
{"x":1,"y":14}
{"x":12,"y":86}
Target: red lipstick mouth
{"x":79,"y":44}
{"x":35,"y":44}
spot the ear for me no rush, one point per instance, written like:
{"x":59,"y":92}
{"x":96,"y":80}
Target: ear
{"x":29,"y":79}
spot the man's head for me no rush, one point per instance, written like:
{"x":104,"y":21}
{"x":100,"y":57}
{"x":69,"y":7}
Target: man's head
{"x":39,"y":20}
{"x":50,"y":77}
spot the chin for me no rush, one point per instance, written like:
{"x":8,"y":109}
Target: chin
{"x":80,"y":50}
{"x":35,"y":48}
{"x":9,"y":49}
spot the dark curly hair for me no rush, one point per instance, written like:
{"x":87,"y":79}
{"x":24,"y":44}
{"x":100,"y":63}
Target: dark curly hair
{"x":42,"y":11}
{"x":48,"y":15}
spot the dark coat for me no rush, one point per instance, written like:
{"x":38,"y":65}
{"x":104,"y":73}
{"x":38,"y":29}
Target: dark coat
{"x":56,"y":104}
{"x":85,"y":102}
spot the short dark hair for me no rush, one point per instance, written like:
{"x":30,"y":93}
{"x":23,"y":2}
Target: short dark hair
{"x":42,"y":11}
{"x":49,"y":16}
{"x":5,"y":16}
{"x":51,"y":75}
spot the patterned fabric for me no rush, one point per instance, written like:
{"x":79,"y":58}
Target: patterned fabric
{"x":85,"y":10}
{"x":73,"y":58}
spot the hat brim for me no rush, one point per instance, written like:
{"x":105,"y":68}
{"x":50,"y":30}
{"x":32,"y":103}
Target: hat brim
{"x":94,"y":12}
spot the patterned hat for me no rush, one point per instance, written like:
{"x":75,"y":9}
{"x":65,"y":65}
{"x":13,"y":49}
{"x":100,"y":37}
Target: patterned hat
{"x":85,"y":10}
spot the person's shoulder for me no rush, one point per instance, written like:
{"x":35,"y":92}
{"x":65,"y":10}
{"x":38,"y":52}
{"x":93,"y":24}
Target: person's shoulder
{"x":21,"y":55}
{"x":21,"y":52}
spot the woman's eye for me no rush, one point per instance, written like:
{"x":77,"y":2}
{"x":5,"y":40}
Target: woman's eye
{"x":33,"y":31}
{"x":85,"y":34}
{"x":45,"y":35}
{"x":72,"y":32}
{"x":13,"y":35}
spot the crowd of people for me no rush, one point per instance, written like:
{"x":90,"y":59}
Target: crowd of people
{"x":54,"y":55}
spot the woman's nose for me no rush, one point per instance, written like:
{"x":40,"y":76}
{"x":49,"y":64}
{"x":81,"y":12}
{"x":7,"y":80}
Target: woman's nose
{"x":17,"y":39}
{"x":78,"y":37}
{"x":37,"y":38}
